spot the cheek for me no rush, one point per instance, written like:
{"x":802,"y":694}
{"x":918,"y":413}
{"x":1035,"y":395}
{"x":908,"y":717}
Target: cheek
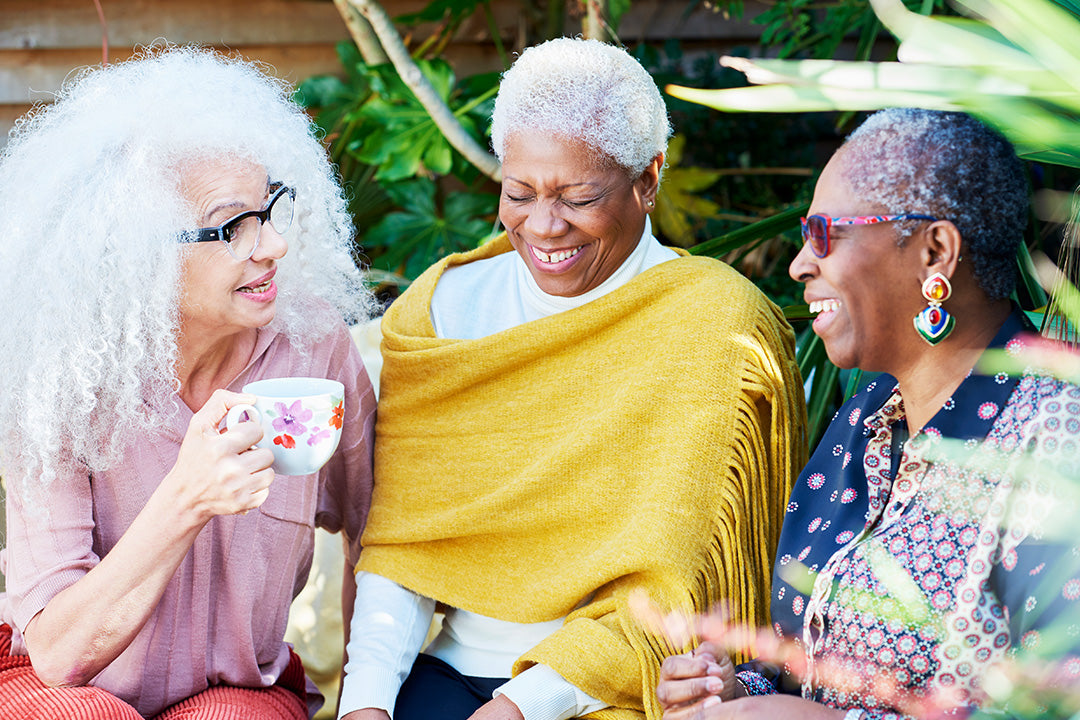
{"x":510,"y":215}
{"x":599,"y":224}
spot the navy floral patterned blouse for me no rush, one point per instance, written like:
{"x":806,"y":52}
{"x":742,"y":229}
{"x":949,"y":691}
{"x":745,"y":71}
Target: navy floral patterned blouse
{"x":926,"y":569}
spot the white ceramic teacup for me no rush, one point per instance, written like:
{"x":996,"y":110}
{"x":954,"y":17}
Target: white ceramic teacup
{"x":301,"y":419}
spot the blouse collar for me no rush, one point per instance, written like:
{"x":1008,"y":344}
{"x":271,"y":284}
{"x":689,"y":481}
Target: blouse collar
{"x":971,"y":410}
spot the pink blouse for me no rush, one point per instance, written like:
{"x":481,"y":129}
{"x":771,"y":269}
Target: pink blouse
{"x":222,"y":617}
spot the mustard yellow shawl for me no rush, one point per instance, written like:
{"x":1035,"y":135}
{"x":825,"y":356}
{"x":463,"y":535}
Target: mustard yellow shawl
{"x":647,"y":439}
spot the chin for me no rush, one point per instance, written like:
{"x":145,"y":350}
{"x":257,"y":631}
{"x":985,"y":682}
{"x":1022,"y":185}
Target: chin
{"x":557,"y":285}
{"x":844,"y":361}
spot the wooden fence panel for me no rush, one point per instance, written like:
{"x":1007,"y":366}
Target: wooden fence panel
{"x":44,"y":41}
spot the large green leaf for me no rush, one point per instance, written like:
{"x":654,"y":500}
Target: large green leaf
{"x":420,"y":232}
{"x":1044,"y":30}
{"x":1025,"y":81}
{"x":762,"y":229}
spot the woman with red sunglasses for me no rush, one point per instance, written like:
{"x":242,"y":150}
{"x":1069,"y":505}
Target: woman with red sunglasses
{"x":917,"y":550}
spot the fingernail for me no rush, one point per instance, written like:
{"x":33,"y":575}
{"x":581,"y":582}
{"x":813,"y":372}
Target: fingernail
{"x":711,"y":701}
{"x":714,"y":684}
{"x":712,"y":668}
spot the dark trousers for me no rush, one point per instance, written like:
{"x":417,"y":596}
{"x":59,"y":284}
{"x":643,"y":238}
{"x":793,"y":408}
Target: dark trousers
{"x":436,"y":691}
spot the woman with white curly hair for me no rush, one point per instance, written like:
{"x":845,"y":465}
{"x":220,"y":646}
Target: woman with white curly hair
{"x":151,"y":267}
{"x":567,"y":414}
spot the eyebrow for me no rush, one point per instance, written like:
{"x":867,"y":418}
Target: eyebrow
{"x":559,"y":187}
{"x":236,"y":204}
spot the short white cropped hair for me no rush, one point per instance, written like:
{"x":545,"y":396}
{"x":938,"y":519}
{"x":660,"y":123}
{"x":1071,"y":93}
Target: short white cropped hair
{"x":90,"y":267}
{"x":585,"y":90}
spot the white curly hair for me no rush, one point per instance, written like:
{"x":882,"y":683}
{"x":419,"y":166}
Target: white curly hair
{"x":90,"y":214}
{"x":585,"y":90}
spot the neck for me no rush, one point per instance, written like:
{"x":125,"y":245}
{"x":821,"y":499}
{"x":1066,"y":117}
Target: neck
{"x":209,"y":363}
{"x":935,"y":373}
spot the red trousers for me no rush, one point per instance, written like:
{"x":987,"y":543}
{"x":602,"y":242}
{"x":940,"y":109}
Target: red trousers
{"x":24,"y":697}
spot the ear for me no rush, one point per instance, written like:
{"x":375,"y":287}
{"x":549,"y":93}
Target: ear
{"x":649,"y":180}
{"x":941,"y":249}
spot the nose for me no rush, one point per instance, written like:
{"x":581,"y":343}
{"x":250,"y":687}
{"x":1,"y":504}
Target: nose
{"x":272,"y":245}
{"x":544,"y":220}
{"x":804,"y":266}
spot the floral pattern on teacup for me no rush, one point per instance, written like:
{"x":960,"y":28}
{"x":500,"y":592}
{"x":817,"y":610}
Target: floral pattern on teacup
{"x":289,"y":421}
{"x":317,"y":435}
{"x":291,"y":418}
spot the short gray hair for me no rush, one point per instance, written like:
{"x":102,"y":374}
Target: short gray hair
{"x":951,"y":166}
{"x":584,"y":90}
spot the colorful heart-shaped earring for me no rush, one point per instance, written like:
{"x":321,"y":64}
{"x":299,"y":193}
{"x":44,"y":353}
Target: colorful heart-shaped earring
{"x":935,"y":323}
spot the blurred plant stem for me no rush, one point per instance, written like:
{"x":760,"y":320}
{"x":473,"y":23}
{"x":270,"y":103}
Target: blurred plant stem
{"x":362,"y":33}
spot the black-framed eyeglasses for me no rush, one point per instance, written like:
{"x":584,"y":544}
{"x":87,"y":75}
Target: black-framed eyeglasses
{"x":815,"y":229}
{"x":241,"y":232}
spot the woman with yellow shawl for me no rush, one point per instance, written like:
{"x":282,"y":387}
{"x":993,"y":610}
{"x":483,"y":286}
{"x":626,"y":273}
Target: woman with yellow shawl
{"x":570,"y":413}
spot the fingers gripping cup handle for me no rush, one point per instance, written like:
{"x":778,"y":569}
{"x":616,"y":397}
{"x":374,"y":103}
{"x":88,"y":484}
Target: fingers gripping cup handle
{"x":237,"y":411}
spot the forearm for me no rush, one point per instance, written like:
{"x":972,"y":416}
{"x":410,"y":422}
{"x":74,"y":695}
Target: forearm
{"x":87,"y":625}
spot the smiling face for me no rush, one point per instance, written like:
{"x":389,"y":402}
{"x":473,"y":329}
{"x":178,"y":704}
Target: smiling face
{"x":221,"y":295}
{"x":571,"y":217}
{"x":867,"y":289}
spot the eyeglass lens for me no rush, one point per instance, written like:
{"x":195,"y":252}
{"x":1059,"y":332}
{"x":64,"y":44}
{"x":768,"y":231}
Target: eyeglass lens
{"x":815,"y":231}
{"x":243,"y":237}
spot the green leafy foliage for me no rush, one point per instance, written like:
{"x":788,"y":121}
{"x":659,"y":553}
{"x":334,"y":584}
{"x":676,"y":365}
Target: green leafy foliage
{"x":1016,"y":70}
{"x":616,"y":10}
{"x":680,"y":204}
{"x":421,"y":229}
{"x":397,"y":167}
{"x":759,"y":165}
{"x":811,"y":28}
{"x":453,"y":11}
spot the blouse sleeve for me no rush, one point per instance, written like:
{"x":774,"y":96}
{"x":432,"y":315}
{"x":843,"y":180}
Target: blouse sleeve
{"x":39,"y":564}
{"x":347,"y":478}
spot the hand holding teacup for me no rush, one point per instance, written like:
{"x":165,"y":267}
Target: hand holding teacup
{"x":301,"y":419}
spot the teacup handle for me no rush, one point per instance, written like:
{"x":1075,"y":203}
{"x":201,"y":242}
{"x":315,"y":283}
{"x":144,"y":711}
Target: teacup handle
{"x":237,"y":410}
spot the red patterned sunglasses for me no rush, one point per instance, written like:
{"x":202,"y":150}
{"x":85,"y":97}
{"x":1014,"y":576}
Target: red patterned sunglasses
{"x":815,"y":229}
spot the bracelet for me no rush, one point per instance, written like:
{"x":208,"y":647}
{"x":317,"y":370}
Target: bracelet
{"x":855,"y":714}
{"x":754,"y":683}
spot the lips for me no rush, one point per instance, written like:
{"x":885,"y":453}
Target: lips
{"x":259,"y":285}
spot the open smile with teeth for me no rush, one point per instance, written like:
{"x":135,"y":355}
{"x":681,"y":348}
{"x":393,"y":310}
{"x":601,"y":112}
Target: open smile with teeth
{"x":555,"y":257}
{"x":820,"y":306}
{"x":258,"y":289}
